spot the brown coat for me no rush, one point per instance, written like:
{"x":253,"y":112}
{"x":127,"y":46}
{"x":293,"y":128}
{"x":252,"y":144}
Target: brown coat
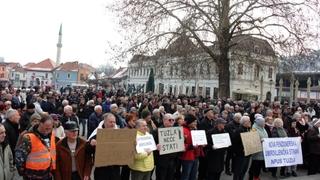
{"x":64,"y":161}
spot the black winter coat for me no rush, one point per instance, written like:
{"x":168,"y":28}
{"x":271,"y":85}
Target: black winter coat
{"x":313,"y":140}
{"x":12,"y":134}
{"x":215,"y":157}
{"x":236,"y":141}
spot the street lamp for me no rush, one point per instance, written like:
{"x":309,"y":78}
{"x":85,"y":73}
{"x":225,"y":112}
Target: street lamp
{"x":271,"y":81}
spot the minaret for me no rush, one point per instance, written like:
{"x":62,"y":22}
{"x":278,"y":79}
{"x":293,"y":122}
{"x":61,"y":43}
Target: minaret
{"x":59,"y":46}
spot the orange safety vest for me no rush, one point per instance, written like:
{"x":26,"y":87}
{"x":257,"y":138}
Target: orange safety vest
{"x":41,"y":157}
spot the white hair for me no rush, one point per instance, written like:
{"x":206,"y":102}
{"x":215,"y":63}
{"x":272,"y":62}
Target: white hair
{"x":97,"y":107}
{"x":278,"y":122}
{"x":155,"y":111}
{"x":237,"y":116}
{"x":67,"y":107}
{"x":244,"y":119}
{"x":65,"y":102}
{"x":10,"y":113}
{"x":113,"y":106}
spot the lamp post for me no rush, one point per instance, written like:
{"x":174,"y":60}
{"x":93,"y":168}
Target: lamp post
{"x":270,"y":83}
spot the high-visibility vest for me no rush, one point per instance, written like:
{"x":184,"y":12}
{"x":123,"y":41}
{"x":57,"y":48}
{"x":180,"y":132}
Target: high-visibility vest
{"x":41,"y":157}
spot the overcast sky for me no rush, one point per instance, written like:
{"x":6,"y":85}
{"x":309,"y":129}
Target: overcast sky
{"x":29,"y":30}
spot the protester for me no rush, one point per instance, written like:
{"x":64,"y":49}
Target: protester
{"x":313,"y":136}
{"x":231,"y":128}
{"x":241,"y":162}
{"x":143,"y":162}
{"x":39,"y":140}
{"x":105,"y":172}
{"x":258,"y":159}
{"x":12,"y":127}
{"x":73,"y":162}
{"x":7,"y":168}
{"x":190,"y":157}
{"x":215,"y":157}
{"x":165,"y":164}
{"x":68,"y":115}
{"x":25,"y":118}
{"x":94,"y":119}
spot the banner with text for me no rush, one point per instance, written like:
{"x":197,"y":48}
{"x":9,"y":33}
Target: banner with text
{"x":145,"y":143}
{"x":282,"y":151}
{"x":199,"y":137}
{"x":171,"y":140}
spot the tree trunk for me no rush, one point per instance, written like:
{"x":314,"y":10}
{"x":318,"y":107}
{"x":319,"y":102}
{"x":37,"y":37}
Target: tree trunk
{"x":224,"y":74}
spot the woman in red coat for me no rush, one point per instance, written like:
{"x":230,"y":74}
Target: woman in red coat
{"x":189,"y":158}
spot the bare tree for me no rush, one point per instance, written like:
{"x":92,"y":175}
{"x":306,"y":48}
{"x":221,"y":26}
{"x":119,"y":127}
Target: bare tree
{"x":287,"y":24}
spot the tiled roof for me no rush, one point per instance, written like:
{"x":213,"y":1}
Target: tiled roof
{"x":69,"y":66}
{"x":86,"y":66}
{"x":44,"y":65}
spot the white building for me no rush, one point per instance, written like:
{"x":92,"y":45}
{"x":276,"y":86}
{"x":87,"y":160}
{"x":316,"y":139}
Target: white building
{"x":183,"y":68}
{"x":39,"y":74}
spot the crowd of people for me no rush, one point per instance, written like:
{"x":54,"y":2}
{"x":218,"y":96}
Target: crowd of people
{"x":47,"y":134}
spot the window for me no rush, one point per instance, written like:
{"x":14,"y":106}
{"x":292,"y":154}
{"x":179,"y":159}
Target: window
{"x":144,"y":71}
{"x":256,"y":71}
{"x":2,"y":75}
{"x":270,"y":72}
{"x":57,"y":75}
{"x":171,"y":70}
{"x":240,"y":69}
{"x":24,"y":74}
{"x":81,"y":77}
{"x":69,"y":76}
{"x":46,"y":75}
{"x":2,"y":68}
{"x":12,"y":74}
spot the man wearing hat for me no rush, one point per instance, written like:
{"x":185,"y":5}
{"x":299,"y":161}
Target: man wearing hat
{"x":207,"y":123}
{"x":215,"y":157}
{"x":73,"y":163}
{"x":25,"y":118}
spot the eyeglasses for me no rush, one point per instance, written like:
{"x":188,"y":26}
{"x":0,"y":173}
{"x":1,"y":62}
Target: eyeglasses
{"x":171,"y":120}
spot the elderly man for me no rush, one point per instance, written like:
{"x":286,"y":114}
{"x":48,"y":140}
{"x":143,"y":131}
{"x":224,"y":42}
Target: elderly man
{"x":12,"y":127}
{"x":165,"y":164}
{"x":143,"y":162}
{"x":231,"y":128}
{"x":72,"y":148}
{"x":241,"y":162}
{"x":114,"y":111}
{"x":106,"y":172}
{"x":94,"y":119}
{"x":68,"y":116}
{"x":35,"y":157}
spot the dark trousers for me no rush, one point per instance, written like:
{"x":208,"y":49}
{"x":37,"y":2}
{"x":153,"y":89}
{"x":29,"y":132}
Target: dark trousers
{"x":138,"y":175}
{"x":125,"y":173}
{"x":189,"y":169}
{"x":177,"y":174}
{"x":107,"y":173}
{"x":241,"y":165}
{"x":165,"y":171}
{"x":214,"y":175}
{"x":202,"y":172}
{"x":82,"y":122}
{"x":75,"y":176}
{"x":228,"y":159}
{"x":255,"y":168}
{"x":314,"y":164}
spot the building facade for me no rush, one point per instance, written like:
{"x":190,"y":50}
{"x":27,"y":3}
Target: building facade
{"x":183,"y":68}
{"x":66,"y":74}
{"x":39,"y":74}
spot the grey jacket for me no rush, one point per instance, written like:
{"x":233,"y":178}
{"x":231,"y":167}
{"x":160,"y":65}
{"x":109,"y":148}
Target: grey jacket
{"x":7,"y":167}
{"x":263,"y":134}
